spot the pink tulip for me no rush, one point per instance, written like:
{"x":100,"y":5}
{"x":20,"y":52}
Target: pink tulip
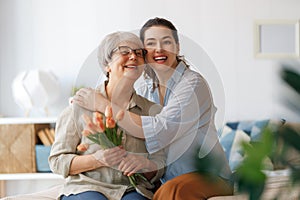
{"x":110,"y":122}
{"x":86,"y":133}
{"x":108,"y":111}
{"x":82,"y":147}
{"x":120,"y":115}
{"x":98,"y":120}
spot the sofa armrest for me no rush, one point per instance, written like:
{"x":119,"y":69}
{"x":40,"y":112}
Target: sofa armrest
{"x":233,"y":197}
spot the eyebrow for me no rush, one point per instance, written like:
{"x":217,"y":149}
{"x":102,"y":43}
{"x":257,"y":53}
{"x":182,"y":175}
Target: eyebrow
{"x":165,"y":37}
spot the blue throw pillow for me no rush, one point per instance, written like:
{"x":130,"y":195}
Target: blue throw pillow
{"x":231,"y":142}
{"x":246,"y":126}
{"x":257,"y":129}
{"x":226,"y":140}
{"x":232,"y":125}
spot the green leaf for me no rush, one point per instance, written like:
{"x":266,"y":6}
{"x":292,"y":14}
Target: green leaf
{"x":249,"y":175}
{"x":291,"y":78}
{"x":108,"y":133}
{"x":93,"y":139}
{"x":295,"y":175}
{"x":114,"y":137}
{"x":290,"y":136}
{"x":132,"y":181}
{"x":120,"y":137}
{"x":105,"y":142}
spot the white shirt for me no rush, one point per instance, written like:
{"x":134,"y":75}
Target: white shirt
{"x":185,"y":124}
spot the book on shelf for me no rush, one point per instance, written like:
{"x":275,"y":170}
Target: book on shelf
{"x":46,"y":137}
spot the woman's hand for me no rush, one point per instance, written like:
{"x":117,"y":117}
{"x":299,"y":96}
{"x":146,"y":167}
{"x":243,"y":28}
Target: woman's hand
{"x":110,"y":157}
{"x":134,"y":163}
{"x":90,"y":99}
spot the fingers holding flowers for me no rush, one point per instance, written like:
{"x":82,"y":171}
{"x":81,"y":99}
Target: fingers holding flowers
{"x":110,"y":138}
{"x":110,"y":157}
{"x":103,"y":130}
{"x":132,"y":163}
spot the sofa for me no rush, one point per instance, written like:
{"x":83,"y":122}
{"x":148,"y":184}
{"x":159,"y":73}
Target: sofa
{"x":278,"y":184}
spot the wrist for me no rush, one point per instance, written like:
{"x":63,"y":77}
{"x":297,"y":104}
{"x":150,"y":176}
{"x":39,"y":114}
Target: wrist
{"x":102,"y":106}
{"x":96,"y":162}
{"x":150,"y":166}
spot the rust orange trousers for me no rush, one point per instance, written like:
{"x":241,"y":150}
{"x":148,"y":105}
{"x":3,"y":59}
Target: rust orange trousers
{"x":193,"y":186}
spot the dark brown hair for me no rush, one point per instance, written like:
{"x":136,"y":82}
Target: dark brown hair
{"x":148,"y":71}
{"x":159,"y":22}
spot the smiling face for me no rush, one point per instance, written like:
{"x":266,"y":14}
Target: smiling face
{"x":162,"y":48}
{"x":125,"y":64}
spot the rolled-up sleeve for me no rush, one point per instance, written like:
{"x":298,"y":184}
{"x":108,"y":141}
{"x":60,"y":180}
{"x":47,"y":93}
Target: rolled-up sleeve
{"x":64,"y":147}
{"x":151,"y":138}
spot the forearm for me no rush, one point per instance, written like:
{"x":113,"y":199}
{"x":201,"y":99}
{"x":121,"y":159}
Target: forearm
{"x":131,"y":122}
{"x":84,"y":163}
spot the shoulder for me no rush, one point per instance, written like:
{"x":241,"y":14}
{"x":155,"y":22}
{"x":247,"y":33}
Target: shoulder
{"x":72,"y":114}
{"x":191,"y":80}
{"x":192,"y":75}
{"x":143,"y":86}
{"x":65,"y":113}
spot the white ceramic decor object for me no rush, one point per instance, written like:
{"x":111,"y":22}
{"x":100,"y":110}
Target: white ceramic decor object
{"x":35,"y":89}
{"x":20,"y":95}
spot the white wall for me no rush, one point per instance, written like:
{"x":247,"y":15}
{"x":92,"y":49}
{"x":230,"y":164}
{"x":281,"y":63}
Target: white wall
{"x":60,"y":34}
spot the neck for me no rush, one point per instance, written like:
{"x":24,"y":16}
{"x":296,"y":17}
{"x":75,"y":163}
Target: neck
{"x":166,"y":75}
{"x":120,"y":92}
{"x":163,"y":78}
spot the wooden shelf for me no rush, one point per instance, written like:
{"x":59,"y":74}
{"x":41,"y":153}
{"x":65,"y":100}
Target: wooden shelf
{"x":25,"y":128}
{"x":24,"y":120}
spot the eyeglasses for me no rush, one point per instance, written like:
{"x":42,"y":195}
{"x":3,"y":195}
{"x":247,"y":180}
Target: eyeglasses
{"x":125,"y":50}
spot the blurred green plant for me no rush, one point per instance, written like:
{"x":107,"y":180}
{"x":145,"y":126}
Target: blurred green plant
{"x":275,"y":143}
{"x":249,"y":175}
{"x":75,"y":89}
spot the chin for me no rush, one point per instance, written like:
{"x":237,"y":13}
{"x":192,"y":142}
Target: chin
{"x":159,"y":67}
{"x":133,"y":77}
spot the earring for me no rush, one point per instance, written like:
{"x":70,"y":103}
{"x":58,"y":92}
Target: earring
{"x":107,"y":69}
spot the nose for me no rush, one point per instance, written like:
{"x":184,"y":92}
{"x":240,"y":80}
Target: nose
{"x":132,"y":55}
{"x":158,"y":47}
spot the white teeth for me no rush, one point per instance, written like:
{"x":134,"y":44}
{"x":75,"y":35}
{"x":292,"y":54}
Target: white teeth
{"x":133,"y":67}
{"x":160,"y":58}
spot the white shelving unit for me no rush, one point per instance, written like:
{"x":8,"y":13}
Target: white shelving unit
{"x":24,"y":120}
{"x":29,"y":176}
{"x":22,"y":183}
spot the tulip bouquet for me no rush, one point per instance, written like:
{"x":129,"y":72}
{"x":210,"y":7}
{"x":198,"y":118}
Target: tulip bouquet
{"x":107,"y":135}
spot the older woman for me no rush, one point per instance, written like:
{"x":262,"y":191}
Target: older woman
{"x":93,"y":174}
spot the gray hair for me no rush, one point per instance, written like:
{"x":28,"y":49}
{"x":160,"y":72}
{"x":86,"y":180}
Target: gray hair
{"x":111,"y":42}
